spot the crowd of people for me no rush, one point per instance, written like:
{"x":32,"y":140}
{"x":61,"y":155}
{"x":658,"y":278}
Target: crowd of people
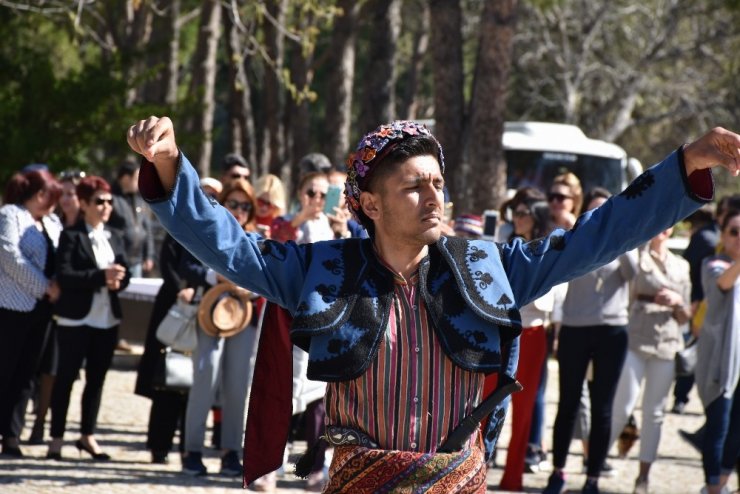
{"x":71,"y":244}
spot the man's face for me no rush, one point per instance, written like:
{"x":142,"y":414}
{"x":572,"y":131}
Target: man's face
{"x":129,"y":183}
{"x":411,"y":202}
{"x":236,"y":171}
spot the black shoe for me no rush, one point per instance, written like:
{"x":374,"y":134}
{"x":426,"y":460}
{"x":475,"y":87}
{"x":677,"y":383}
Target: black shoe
{"x":678,"y":407}
{"x":192,"y":464}
{"x":590,"y":487}
{"x":12,"y":451}
{"x":54,"y":455}
{"x":160,"y":457}
{"x":230,"y":464}
{"x":87,"y":449}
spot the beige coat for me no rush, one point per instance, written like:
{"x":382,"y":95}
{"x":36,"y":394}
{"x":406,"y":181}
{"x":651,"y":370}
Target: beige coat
{"x":653,"y":329}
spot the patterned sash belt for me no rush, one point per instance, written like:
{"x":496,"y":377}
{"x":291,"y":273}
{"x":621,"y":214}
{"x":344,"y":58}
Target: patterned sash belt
{"x":358,"y":467}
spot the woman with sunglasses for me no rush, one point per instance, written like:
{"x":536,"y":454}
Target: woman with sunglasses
{"x":309,"y":224}
{"x":270,"y":194}
{"x":594,"y":331}
{"x":565,"y":199}
{"x":222,"y":366}
{"x":718,"y":358}
{"x":91,"y":270}
{"x":531,"y":220}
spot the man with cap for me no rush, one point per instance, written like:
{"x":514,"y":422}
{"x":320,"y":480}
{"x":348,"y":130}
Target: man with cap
{"x":405,"y":325}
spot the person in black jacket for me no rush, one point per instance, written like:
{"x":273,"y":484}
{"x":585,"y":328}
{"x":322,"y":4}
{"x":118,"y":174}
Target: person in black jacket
{"x":168,"y":407}
{"x":91,"y":269}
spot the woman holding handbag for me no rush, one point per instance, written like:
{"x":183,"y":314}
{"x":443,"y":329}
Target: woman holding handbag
{"x":658,"y":310}
{"x":718,"y":358}
{"x":168,"y":407}
{"x":220,"y":363}
{"x":91,"y":270}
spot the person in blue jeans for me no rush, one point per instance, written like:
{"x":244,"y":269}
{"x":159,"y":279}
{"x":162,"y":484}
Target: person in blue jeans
{"x":718,"y":358}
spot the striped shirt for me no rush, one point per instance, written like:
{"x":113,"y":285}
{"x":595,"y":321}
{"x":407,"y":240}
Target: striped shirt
{"x":412,"y":395}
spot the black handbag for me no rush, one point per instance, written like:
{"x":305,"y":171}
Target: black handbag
{"x":173,"y":371}
{"x":686,"y":359}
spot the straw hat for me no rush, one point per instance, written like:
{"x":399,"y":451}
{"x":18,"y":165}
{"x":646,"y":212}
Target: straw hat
{"x":224,"y":310}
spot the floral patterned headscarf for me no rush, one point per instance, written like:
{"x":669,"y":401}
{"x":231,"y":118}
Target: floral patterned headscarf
{"x":371,"y":150}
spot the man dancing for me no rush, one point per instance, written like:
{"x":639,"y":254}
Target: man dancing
{"x":405,"y":325}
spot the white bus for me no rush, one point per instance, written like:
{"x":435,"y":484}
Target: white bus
{"x":536,"y":152}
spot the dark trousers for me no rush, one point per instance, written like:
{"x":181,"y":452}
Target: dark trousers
{"x":538,"y":411}
{"x":22,"y":336}
{"x":314,"y":415}
{"x":166,"y":416}
{"x":95,"y":347}
{"x":607,"y":347}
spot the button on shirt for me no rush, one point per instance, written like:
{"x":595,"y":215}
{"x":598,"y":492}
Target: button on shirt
{"x":412,"y":395}
{"x":100,"y":315}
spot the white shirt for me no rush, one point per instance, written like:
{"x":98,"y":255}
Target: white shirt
{"x":100,"y":315}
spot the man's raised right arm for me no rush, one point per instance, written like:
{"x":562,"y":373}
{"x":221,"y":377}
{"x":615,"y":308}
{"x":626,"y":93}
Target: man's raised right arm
{"x":171,"y":186}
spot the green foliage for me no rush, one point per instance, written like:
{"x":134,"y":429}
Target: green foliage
{"x":55,"y":106}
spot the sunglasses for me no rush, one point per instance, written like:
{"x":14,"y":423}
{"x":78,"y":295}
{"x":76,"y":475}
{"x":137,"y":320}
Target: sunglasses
{"x":556,"y":196}
{"x":734,"y":232}
{"x":521,"y":213}
{"x":239,"y":175}
{"x":263,"y":203}
{"x":234,"y":205}
{"x":313,"y":193}
{"x":99,"y":201}
{"x":72,"y":174}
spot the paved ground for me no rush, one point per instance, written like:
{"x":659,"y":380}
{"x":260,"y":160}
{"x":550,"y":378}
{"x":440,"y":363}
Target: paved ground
{"x":122,"y":426}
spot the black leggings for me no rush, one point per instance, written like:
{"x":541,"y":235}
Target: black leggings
{"x":77,"y":344}
{"x":22,"y":336}
{"x":607,"y":347}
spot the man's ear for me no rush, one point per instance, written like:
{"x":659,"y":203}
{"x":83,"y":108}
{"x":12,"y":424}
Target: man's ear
{"x":370,"y":204}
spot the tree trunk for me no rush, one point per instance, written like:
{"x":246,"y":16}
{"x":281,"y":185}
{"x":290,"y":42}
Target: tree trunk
{"x":449,"y":100}
{"x":274,"y":43}
{"x":407,"y":107}
{"x":203,"y":82}
{"x":488,"y":104}
{"x":162,"y":57}
{"x":378,"y":102}
{"x":241,"y":116}
{"x":300,"y":118}
{"x":340,"y":82}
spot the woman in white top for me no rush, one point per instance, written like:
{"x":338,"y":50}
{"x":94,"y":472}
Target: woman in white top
{"x":91,"y":270}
